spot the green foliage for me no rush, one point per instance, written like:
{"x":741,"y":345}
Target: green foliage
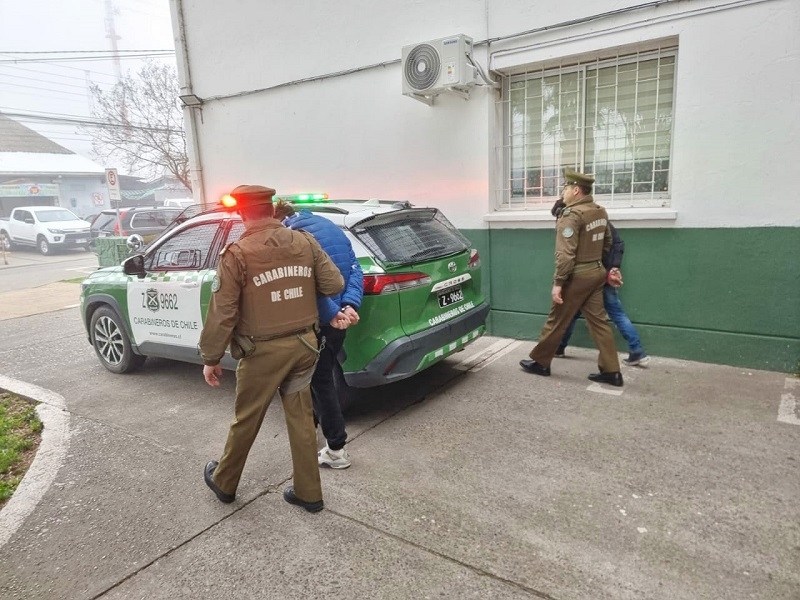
{"x":19,"y":432}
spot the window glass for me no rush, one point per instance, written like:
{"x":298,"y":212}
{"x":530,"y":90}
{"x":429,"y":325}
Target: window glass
{"x":53,"y":216}
{"x":611,"y":119}
{"x":187,"y":250}
{"x":410,"y":236}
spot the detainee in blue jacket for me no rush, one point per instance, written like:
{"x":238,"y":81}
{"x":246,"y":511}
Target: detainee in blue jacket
{"x":336,"y":313}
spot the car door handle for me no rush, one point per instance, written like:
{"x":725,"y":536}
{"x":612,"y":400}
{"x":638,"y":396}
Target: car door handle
{"x":189,"y":284}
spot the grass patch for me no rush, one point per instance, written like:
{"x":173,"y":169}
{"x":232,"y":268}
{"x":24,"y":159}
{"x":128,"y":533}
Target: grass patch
{"x":20,"y":433}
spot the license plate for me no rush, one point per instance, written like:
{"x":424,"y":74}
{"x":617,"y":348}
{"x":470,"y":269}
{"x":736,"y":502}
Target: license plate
{"x":451,"y":296}
{"x":80,"y":241}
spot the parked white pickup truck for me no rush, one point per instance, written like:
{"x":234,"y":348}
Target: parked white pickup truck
{"x":48,"y":228}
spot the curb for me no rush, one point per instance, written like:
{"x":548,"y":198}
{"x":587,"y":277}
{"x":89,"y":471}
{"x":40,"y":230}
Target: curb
{"x":49,"y":457}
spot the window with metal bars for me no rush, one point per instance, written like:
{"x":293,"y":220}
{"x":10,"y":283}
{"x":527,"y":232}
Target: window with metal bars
{"x":611,"y":119}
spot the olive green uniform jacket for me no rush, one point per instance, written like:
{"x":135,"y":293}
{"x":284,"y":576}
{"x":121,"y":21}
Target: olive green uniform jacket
{"x":267,"y":287}
{"x":582,"y":236}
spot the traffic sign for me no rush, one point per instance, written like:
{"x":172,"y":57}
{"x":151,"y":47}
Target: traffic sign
{"x":112,"y":181}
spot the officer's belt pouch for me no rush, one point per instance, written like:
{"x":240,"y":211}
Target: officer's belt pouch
{"x":241,"y":346}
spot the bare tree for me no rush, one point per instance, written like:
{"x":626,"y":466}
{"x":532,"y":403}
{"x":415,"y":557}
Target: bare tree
{"x":141,"y":125}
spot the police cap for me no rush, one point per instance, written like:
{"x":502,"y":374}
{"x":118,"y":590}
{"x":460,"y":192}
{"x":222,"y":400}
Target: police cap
{"x":574,"y":178}
{"x":250,"y":195}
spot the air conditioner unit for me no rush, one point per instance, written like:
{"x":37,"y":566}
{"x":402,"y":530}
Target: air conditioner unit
{"x":437,"y":66}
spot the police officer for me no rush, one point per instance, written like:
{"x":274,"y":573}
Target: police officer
{"x":582,"y":236}
{"x":264,"y":304}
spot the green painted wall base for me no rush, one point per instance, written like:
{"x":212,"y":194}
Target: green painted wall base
{"x":738,"y":350}
{"x":725,"y":296}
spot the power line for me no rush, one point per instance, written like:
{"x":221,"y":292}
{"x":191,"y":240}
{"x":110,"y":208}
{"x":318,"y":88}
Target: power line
{"x":39,"y":80}
{"x":82,"y":59}
{"x":72,"y":119}
{"x":33,"y":87}
{"x":78,"y":51}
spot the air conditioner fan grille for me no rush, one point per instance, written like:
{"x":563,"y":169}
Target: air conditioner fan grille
{"x":422,"y":67}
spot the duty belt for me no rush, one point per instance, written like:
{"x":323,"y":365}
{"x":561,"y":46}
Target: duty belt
{"x":586,"y":266}
{"x":266,"y":338}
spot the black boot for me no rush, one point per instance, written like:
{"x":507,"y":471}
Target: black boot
{"x":612,"y":378}
{"x":531,"y":366}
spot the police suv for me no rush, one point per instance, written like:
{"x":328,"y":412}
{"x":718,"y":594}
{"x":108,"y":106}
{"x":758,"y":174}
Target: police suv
{"x":422,"y":290}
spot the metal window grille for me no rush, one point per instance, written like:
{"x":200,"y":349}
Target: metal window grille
{"x":611,"y":118}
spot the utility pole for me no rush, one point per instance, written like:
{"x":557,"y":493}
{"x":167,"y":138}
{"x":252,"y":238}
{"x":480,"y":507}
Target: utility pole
{"x":111,"y":34}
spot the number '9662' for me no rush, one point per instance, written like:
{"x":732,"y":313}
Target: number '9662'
{"x":154,"y":301}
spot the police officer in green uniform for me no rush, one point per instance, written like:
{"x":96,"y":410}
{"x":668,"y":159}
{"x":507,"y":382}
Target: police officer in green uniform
{"x":264,"y":305}
{"x":582,"y":236}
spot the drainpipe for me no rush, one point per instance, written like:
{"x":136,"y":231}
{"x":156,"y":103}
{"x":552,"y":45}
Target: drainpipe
{"x":191,"y":103}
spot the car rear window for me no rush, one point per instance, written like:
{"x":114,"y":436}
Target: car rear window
{"x":104,"y":221}
{"x":409,"y":236}
{"x":153,"y":218}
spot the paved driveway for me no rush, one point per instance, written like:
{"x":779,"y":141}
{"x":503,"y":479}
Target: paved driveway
{"x":475,"y":480}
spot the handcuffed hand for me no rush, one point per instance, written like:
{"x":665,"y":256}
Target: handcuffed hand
{"x":340,"y":321}
{"x":351,"y":314}
{"x":614,"y":277}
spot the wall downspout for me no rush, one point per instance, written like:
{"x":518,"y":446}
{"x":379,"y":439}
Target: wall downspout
{"x":189,"y":112}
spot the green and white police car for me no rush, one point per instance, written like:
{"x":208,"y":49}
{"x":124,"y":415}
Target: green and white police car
{"x":422,"y":291}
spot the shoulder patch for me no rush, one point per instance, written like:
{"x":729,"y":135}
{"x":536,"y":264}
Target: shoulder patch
{"x":215,"y":283}
{"x":567,"y":232}
{"x":565,"y":212}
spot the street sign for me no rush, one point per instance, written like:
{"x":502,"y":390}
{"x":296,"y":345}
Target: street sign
{"x":112,"y":181}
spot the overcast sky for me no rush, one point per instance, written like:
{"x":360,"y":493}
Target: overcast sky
{"x":47,"y":84}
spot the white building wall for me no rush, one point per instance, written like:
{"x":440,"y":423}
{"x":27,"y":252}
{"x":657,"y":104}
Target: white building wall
{"x":354,"y":135}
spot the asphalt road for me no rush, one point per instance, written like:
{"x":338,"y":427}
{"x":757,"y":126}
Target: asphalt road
{"x":473,"y":480}
{"x":27,"y":268}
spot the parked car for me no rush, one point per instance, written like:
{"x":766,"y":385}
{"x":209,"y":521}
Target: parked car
{"x":148,"y":222}
{"x":47,"y":228}
{"x":422,"y":292}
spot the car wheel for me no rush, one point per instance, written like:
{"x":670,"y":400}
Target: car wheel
{"x":346,"y":394}
{"x":111,"y":343}
{"x":5,"y":241}
{"x":43,"y":246}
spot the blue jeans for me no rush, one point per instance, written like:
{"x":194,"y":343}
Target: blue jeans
{"x":617,"y":314}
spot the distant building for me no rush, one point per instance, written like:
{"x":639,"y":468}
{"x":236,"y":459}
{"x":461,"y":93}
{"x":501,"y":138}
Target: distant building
{"x":36,"y":171}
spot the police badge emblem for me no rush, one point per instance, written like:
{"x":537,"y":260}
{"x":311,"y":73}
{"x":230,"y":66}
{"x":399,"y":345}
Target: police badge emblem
{"x":568,"y":232}
{"x":151,"y":299}
{"x":215,"y":284}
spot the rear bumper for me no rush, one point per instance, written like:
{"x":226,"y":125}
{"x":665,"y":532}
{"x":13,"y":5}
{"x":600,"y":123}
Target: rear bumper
{"x":409,"y":355}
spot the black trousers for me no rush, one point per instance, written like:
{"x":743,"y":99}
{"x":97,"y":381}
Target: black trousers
{"x":323,"y":390}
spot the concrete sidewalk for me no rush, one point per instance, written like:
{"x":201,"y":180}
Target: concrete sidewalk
{"x":37,"y":300}
{"x":476,"y":480}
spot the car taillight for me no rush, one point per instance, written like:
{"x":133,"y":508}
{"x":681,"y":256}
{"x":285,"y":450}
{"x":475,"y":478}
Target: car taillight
{"x":383,"y":284}
{"x":474,"y":259}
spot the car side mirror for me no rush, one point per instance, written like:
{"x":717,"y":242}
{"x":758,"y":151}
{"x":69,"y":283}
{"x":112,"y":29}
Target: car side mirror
{"x":135,"y":242}
{"x":30,"y":221}
{"x":134,"y":265}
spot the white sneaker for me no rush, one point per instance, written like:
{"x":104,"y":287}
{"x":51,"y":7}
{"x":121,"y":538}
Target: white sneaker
{"x":334,"y":459}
